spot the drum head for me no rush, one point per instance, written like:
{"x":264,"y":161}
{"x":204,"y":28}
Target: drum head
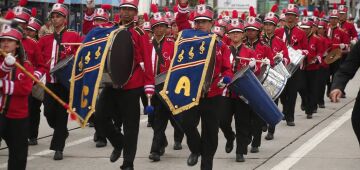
{"x":120,"y":60}
{"x":61,"y":64}
{"x":264,"y":71}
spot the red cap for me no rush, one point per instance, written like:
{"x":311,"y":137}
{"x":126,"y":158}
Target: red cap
{"x":129,"y":3}
{"x":252,"y":22}
{"x":271,"y":16}
{"x":22,"y":14}
{"x":34,"y":24}
{"x":334,"y":13}
{"x":292,"y":8}
{"x":306,"y":21}
{"x":102,"y":13}
{"x":203,"y":12}
{"x":7,"y":32}
{"x":60,"y":8}
{"x":158,"y":17}
{"x":342,"y":7}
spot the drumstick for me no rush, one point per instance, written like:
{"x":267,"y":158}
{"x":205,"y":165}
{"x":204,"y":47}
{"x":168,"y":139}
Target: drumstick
{"x":249,"y":59}
{"x":71,"y":43}
{"x":51,"y":93}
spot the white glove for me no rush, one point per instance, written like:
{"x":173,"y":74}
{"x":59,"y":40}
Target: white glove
{"x":265,"y":61}
{"x":353,"y":42}
{"x":342,"y":46}
{"x":90,"y":3}
{"x":10,"y":60}
{"x":142,"y":66}
{"x":252,"y":62}
{"x":221,"y":84}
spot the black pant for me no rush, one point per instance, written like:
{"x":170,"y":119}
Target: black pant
{"x":289,"y":94}
{"x":161,"y":117}
{"x":120,"y":108}
{"x":34,"y":117}
{"x":311,"y":91}
{"x":15,"y":135}
{"x":208,"y":111}
{"x":227,"y":114}
{"x":243,"y":114}
{"x":56,"y":115}
{"x":355,"y":118}
{"x":324,"y":78}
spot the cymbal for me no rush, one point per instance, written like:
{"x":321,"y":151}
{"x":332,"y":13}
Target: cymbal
{"x":333,"y":55}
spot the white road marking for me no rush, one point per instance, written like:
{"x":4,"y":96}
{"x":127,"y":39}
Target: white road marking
{"x":312,"y":142}
{"x":46,"y":152}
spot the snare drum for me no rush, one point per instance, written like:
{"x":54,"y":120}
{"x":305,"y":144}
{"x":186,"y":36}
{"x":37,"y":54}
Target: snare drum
{"x":296,"y":59}
{"x":280,"y":68}
{"x":272,"y":81}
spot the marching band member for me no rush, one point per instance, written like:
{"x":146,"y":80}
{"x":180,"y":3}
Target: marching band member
{"x":88,"y":16}
{"x":98,"y":17}
{"x":210,"y":106}
{"x":348,"y":27}
{"x":324,"y":74}
{"x":146,"y":25}
{"x":339,"y":39}
{"x":33,"y":26}
{"x":127,"y":98}
{"x":296,"y":38}
{"x":234,"y":105}
{"x":174,"y":27}
{"x":312,"y":65}
{"x":278,"y":47}
{"x":220,"y":29}
{"x":53,"y":51}
{"x":162,"y":53}
{"x":32,"y":50}
{"x":15,"y":89}
{"x":261,"y":51}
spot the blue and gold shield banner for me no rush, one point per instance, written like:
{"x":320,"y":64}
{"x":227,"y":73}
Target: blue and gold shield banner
{"x":186,"y":76}
{"x":87,"y":72}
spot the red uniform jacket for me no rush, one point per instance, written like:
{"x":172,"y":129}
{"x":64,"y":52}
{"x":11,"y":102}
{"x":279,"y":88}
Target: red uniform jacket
{"x":326,"y":43}
{"x":315,"y":48}
{"x":296,"y":38}
{"x":166,"y":46}
{"x":222,"y":58}
{"x":259,"y":51}
{"x":139,"y":77}
{"x":349,"y":28}
{"x":338,"y":36}
{"x":35,"y":56}
{"x":17,"y":88}
{"x":277,"y":45}
{"x":50,"y":50}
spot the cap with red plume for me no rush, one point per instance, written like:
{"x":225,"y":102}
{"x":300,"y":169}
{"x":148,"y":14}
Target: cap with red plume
{"x":235,"y":14}
{"x":129,"y":3}
{"x":335,"y":6}
{"x":334,"y":13}
{"x":252,"y":22}
{"x":272,"y":17}
{"x":34,"y":24}
{"x":103,"y":12}
{"x":146,"y":25}
{"x":7,"y":32}
{"x":292,"y":8}
{"x":342,"y":7}
{"x":22,"y":14}
{"x":158,"y":17}
{"x":59,"y":8}
{"x":274,"y":8}
{"x":203,"y":12}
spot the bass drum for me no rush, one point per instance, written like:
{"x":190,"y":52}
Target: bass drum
{"x":120,"y":59}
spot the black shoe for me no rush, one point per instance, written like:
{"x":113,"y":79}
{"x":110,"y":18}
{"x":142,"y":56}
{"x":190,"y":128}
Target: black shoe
{"x":290,"y":123}
{"x":149,"y":124}
{"x":100,"y":143}
{"x":162,"y":151}
{"x":309,"y":116}
{"x":127,"y":168}
{"x":240,"y":158}
{"x":95,"y":138}
{"x":314,"y":111}
{"x":32,"y":141}
{"x":115,"y":155}
{"x":264,"y":128}
{"x":322,"y":106}
{"x":154,"y":157}
{"x":302,"y":107}
{"x":269,"y":136}
{"x":229,"y":146}
{"x":193,"y":159}
{"x":58,"y":155}
{"x":254,"y":149}
{"x":177,"y":146}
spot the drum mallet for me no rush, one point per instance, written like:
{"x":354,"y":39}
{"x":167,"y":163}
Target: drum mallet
{"x":149,"y":109}
{"x":249,"y":59}
{"x":51,"y":93}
